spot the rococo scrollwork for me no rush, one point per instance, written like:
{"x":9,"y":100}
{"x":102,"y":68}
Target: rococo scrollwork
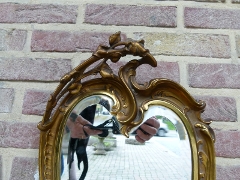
{"x":94,"y":76}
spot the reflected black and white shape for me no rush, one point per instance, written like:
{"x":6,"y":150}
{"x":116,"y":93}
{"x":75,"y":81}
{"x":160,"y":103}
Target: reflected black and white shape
{"x":89,"y":108}
{"x":165,"y":156}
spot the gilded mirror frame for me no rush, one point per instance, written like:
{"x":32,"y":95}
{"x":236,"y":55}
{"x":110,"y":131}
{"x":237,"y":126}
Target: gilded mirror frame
{"x":130,"y":99}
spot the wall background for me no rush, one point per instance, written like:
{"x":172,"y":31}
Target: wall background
{"x":196,"y":44}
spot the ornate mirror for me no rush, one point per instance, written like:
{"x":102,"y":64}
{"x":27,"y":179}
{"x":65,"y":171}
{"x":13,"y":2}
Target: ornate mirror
{"x":182,"y":148}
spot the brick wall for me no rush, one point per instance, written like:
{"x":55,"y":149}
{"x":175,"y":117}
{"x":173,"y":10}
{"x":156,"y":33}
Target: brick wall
{"x":196,"y":43}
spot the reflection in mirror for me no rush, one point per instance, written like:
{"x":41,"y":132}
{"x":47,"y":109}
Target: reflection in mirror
{"x":167,"y":155}
{"x":85,"y":120}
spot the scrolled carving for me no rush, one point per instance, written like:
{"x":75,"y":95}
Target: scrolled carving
{"x":130,"y":101}
{"x":48,"y":154}
{"x":71,"y":82}
{"x":206,"y":130}
{"x":206,"y":155}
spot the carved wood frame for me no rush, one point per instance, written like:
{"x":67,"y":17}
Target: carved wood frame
{"x":130,"y":99}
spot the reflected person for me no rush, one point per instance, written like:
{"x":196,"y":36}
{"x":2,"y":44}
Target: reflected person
{"x":144,"y":133}
{"x":79,"y":129}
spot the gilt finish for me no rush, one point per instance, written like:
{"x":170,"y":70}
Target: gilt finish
{"x":130,"y":99}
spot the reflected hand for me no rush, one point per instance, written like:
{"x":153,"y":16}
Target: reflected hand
{"x":147,"y":130}
{"x":78,"y":127}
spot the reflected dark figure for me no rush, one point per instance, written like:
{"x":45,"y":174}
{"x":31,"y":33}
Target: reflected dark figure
{"x":79,"y":145}
{"x":80,"y":126}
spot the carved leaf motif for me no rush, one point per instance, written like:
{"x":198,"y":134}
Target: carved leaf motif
{"x":204,"y":163}
{"x":158,"y":94}
{"x":115,"y":38}
{"x":115,"y":57}
{"x":204,"y":158}
{"x":106,"y":71}
{"x":75,"y":88}
{"x":205,"y":130}
{"x":137,"y":48}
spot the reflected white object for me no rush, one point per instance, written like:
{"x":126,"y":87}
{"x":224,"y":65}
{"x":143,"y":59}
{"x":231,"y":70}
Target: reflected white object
{"x":163,"y":151}
{"x":161,"y":110}
{"x":155,"y":110}
{"x":36,"y":176}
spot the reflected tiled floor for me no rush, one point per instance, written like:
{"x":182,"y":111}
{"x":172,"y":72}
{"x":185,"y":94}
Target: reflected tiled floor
{"x":165,"y":158}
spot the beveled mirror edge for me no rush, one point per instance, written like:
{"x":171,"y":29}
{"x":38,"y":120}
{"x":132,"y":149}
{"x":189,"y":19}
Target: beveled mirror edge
{"x":51,"y":137}
{"x":118,"y":87}
{"x":188,"y":127}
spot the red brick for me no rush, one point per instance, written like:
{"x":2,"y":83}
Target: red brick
{"x":209,"y":1}
{"x":35,"y":101}
{"x":24,"y":168}
{"x":212,"y":18}
{"x":34,"y":69}
{"x":238,"y":45}
{"x":169,"y":70}
{"x":228,"y":172}
{"x":203,"y":45}
{"x":219,"y":108}
{"x":227,"y":143}
{"x":6,"y":99}
{"x":1,"y":169}
{"x":145,"y":73}
{"x":214,"y":75}
{"x":158,"y":16}
{"x":64,"y":41}
{"x":37,"y":13}
{"x":12,"y":40}
{"x":19,"y":135}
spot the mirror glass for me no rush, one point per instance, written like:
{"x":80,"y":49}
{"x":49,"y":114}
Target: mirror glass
{"x":167,"y":155}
